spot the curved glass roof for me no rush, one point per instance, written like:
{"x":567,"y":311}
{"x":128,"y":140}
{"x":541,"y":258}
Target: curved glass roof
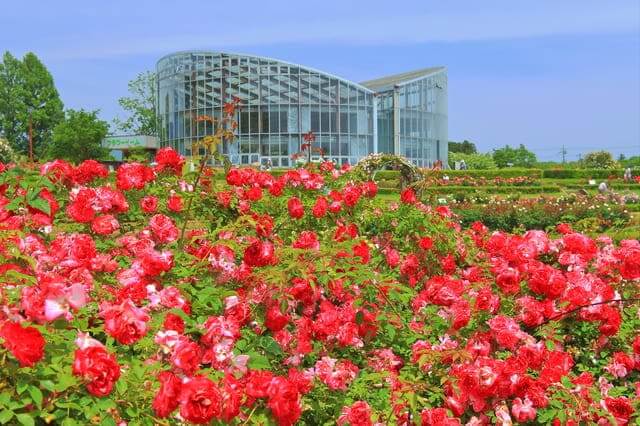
{"x":388,"y":82}
{"x":264,"y":58}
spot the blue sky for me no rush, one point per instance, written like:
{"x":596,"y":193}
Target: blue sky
{"x":541,"y":72}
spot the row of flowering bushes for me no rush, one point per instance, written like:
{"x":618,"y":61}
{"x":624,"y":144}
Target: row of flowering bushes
{"x":146,"y":297}
{"x":597,"y":212}
{"x":480,"y":181}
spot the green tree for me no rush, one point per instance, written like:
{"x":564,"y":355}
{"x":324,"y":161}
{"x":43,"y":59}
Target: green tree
{"x":633,"y":162}
{"x":514,"y":157}
{"x":464,"y":147}
{"x":79,"y":137}
{"x":28,"y":99}
{"x":473,"y":161}
{"x":140,"y":105}
{"x":599,"y":160}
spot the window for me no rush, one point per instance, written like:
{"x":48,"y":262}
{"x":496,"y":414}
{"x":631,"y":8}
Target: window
{"x":315,"y":121}
{"x":274,"y":121}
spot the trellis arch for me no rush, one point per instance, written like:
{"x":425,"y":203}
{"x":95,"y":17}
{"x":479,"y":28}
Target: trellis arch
{"x":369,"y":165}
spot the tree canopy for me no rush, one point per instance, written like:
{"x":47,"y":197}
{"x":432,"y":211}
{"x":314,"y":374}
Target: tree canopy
{"x":514,"y":157}
{"x":27,"y":94}
{"x":473,"y":161}
{"x":140,"y":105}
{"x":79,"y":137}
{"x":464,"y":147}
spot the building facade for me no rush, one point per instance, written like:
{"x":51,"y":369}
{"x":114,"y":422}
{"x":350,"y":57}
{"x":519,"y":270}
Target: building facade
{"x":404,"y":114}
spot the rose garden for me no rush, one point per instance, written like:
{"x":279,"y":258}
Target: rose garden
{"x":162,"y":294}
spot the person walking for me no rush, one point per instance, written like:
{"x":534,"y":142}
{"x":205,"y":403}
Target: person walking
{"x":627,"y":175}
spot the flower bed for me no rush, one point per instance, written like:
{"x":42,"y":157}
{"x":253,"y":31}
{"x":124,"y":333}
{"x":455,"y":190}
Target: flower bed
{"x":480,"y":181}
{"x":146,"y":297}
{"x":594,"y":213}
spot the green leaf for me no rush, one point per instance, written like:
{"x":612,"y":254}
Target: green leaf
{"x":41,"y":204}
{"x":14,"y":204}
{"x":22,"y":386}
{"x":36,"y":395}
{"x":258,"y":361}
{"x":68,"y":422}
{"x":25,"y":419}
{"x":64,"y":382}
{"x":5,"y":416}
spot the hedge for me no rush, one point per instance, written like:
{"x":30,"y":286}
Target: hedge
{"x":489,"y":174}
{"x":452,"y":189}
{"x":611,"y":186}
{"x":582,"y":173}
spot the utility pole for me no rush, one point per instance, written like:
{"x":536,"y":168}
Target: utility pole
{"x":564,"y":154}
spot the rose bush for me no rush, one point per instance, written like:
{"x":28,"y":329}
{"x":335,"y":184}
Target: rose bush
{"x":148,"y":297}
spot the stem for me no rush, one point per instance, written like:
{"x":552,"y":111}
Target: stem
{"x":187,"y":214}
{"x":246,"y":422}
{"x":630,"y":299}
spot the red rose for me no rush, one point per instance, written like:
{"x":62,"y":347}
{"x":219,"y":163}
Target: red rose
{"x":358,"y":414}
{"x":275,"y":320}
{"x":25,"y":343}
{"x":307,"y":240}
{"x":620,"y":408}
{"x":186,"y":355}
{"x":173,"y":322}
{"x":370,"y":189}
{"x":392,"y":256}
{"x":168,"y":159}
{"x":174,"y":203}
{"x":133,"y":176}
{"x":124,"y":322}
{"x":87,"y":171}
{"x":166,"y":399}
{"x":163,"y":229}
{"x":105,"y":224}
{"x":149,"y":204}
{"x":200,"y":400}
{"x":320,"y":207}
{"x":260,"y":253}
{"x":98,"y":367}
{"x":296,"y":209}
{"x":408,"y":196}
{"x":284,"y":401}
{"x":425,"y":243}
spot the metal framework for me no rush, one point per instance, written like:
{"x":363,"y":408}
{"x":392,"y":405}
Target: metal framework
{"x":279,"y":103}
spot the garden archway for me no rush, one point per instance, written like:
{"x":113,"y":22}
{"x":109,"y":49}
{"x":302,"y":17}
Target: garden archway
{"x":367,"y":167}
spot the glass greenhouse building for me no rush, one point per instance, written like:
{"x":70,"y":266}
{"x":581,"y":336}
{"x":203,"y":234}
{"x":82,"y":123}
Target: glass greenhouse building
{"x":405,"y":114}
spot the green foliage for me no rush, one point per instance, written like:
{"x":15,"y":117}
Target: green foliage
{"x":79,"y":137}
{"x":582,"y":173}
{"x":599,"y":160}
{"x":140,"y":105}
{"x":591,"y":214}
{"x":139,"y":154}
{"x":473,"y":161}
{"x":28,"y":95}
{"x":464,"y":147}
{"x":633,"y":162}
{"x":514,"y":157}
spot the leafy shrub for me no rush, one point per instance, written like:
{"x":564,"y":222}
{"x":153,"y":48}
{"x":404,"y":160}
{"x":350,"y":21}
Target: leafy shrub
{"x":473,"y":161}
{"x":599,"y":160}
{"x":582,"y":173}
